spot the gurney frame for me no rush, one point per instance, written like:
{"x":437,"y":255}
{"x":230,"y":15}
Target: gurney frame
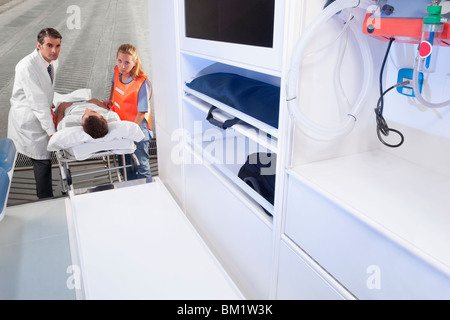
{"x":111,"y":164}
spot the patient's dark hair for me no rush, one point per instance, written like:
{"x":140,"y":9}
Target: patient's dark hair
{"x":96,"y":127}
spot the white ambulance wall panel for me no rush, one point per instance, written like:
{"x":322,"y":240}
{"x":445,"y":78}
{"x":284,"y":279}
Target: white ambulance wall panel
{"x":170,"y":157}
{"x":163,"y":49}
{"x":163,"y":39}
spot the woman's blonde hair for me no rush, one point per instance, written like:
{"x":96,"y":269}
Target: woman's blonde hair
{"x":137,"y":70}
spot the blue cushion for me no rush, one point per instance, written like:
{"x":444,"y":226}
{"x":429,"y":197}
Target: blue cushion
{"x":7,"y":153}
{"x":4,"y":186}
{"x":258,"y":99}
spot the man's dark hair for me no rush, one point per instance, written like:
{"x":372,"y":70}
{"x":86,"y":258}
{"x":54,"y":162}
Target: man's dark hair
{"x":95,"y":126}
{"x":48,"y":32}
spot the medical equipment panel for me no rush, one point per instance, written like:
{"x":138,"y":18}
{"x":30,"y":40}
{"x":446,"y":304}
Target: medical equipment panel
{"x":401,"y":20}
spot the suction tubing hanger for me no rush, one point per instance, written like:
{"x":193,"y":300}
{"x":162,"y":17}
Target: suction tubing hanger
{"x":309,"y":127}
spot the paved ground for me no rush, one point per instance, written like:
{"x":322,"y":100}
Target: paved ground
{"x":92,"y":31}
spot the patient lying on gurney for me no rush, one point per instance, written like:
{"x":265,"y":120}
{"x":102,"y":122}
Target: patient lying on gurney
{"x":79,"y":139}
{"x":92,"y":115}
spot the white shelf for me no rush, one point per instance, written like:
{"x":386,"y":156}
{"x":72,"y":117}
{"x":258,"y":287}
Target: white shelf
{"x":255,"y":123}
{"x":404,"y":201}
{"x":259,"y":136}
{"x":256,"y":68}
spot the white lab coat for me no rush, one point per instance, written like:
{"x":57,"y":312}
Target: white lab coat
{"x":30,"y":121}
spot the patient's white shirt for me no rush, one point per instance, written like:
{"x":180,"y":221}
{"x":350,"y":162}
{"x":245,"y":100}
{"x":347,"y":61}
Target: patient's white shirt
{"x":74,"y":113}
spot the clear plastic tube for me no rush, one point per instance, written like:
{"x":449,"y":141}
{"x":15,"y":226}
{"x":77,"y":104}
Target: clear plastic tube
{"x":344,"y":29}
{"x":340,"y":93}
{"x":309,"y":127}
{"x":344,"y":105}
{"x":431,"y":33}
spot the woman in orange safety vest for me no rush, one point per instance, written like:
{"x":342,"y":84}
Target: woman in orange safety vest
{"x":130,"y":99}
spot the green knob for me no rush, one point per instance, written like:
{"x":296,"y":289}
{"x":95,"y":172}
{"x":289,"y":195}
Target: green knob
{"x":434,"y":14}
{"x":434,"y":9}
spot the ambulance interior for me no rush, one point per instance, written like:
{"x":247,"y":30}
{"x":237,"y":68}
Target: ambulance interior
{"x":360,"y":153}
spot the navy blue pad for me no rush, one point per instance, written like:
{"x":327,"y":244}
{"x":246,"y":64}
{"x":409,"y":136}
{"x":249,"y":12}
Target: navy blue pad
{"x":258,"y":99}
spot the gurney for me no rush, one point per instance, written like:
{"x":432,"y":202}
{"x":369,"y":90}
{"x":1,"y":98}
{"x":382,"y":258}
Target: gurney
{"x":73,"y":145}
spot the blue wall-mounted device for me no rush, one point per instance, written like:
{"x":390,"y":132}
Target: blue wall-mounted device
{"x":407,"y":74}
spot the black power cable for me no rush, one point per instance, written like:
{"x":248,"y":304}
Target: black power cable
{"x":328,"y":3}
{"x":382,"y":127}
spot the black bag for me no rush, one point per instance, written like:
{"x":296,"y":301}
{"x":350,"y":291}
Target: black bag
{"x":259,"y":173}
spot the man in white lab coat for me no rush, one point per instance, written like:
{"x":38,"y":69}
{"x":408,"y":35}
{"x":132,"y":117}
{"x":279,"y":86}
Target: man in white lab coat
{"x":31,"y":122}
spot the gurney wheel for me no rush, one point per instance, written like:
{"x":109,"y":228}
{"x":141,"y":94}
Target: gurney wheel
{"x":68,"y":177}
{"x":134,"y":163}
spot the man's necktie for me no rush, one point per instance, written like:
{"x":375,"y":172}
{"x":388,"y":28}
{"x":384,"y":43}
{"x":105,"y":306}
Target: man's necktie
{"x":49,"y":69}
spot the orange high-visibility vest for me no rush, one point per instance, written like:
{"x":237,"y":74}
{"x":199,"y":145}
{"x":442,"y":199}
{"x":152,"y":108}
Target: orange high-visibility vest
{"x":125,"y":98}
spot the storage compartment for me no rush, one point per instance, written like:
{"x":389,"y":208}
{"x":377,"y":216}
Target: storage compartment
{"x":250,"y":100}
{"x":227,"y":149}
{"x":234,"y":227}
{"x":251,"y":96}
{"x":380,"y":244}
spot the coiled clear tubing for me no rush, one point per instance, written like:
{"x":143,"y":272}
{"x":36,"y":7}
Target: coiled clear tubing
{"x":306,"y":125}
